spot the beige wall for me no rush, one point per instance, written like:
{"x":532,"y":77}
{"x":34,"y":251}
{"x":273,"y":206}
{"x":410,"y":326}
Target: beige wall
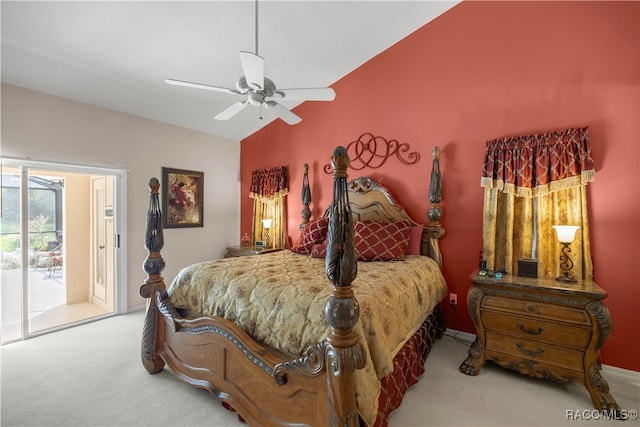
{"x":75,"y":218}
{"x":48,"y":128}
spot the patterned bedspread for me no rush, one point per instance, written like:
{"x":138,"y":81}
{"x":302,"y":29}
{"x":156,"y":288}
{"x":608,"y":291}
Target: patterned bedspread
{"x":279,"y":299}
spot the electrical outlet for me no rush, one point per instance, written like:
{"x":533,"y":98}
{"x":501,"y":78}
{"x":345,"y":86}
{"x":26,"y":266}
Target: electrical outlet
{"x":453,"y":299}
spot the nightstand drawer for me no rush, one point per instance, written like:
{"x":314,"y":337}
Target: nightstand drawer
{"x":536,"y":329}
{"x":535,"y":350}
{"x":539,"y":309}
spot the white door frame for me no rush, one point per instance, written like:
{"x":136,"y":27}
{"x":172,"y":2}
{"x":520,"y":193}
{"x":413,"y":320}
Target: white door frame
{"x":120,"y":209}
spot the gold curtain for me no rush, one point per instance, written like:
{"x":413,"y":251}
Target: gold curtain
{"x":274,"y":208}
{"x":519,"y":215}
{"x":509,"y":225}
{"x":269,"y":188}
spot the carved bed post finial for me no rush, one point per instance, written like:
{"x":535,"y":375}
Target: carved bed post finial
{"x":435,"y":188}
{"x":153,"y":266}
{"x":306,"y":198}
{"x":434,"y":228}
{"x":343,"y":352}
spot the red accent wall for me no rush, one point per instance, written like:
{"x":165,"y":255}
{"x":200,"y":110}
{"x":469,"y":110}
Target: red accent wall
{"x":484,"y":70}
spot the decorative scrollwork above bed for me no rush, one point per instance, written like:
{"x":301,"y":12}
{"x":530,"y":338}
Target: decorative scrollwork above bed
{"x":370,"y":151}
{"x":290,"y":337}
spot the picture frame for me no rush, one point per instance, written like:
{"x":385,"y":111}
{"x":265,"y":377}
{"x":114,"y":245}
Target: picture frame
{"x":182,"y":198}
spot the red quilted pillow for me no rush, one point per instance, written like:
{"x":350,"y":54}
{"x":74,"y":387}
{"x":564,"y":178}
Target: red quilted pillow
{"x":415,"y":240}
{"x":314,"y":233}
{"x":319,"y":251}
{"x":381,"y":241}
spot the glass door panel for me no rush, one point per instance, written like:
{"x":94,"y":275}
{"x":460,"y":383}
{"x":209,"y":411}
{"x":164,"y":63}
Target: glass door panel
{"x":10,"y":257}
{"x":46,"y":270}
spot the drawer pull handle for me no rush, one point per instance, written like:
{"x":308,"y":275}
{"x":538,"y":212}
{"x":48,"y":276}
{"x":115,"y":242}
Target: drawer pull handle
{"x":531,"y":308}
{"x":530,"y":331}
{"x":529,"y":352}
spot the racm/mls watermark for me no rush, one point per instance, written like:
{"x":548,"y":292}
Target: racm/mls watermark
{"x":594,"y":414}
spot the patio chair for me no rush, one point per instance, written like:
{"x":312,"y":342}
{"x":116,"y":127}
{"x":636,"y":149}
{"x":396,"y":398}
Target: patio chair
{"x":45,"y":255}
{"x":55,"y":260}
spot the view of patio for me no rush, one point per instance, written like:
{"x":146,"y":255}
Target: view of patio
{"x":47,"y":302}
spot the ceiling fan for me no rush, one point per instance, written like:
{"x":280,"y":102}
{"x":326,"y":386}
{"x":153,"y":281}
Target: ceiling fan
{"x":260,"y":90}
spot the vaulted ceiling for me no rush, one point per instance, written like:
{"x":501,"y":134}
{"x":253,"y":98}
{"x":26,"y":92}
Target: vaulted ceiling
{"x":117,"y":55}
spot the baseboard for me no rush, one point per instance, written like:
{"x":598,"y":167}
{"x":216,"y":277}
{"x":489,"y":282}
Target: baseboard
{"x":628,"y":374}
{"x":463,"y":336}
{"x":137,"y":308}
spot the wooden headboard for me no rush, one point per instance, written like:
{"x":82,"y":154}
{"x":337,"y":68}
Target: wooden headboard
{"x":370,"y":200}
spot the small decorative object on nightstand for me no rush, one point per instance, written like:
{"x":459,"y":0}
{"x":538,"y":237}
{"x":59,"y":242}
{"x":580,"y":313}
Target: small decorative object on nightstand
{"x":542,"y":328}
{"x":246,"y":240}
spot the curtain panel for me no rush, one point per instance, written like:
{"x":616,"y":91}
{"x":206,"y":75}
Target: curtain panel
{"x":269,"y":188}
{"x":537,"y":164}
{"x":269,"y":182}
{"x":531,"y":183}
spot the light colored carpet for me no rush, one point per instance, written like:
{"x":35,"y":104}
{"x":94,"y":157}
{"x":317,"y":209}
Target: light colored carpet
{"x":91,"y":375}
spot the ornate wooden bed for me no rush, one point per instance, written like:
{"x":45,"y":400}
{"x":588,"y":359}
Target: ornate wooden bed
{"x":267,"y":386}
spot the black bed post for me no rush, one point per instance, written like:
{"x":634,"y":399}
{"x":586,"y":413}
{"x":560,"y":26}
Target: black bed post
{"x":153,"y":266}
{"x":434,"y":229}
{"x":343,"y":353}
{"x":306,"y":198}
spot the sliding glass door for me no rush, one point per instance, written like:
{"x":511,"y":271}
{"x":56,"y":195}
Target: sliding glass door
{"x":59,"y":262}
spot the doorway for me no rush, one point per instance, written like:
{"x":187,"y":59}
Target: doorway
{"x":65,"y":218}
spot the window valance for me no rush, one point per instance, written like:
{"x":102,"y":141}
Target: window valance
{"x":536,"y":164}
{"x":269,"y":182}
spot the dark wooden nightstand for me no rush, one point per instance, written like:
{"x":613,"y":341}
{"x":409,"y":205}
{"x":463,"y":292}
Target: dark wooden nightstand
{"x":248,"y":250}
{"x":542,"y":328}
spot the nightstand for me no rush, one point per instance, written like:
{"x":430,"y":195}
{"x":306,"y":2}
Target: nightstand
{"x":233,"y":251}
{"x":542,"y":328}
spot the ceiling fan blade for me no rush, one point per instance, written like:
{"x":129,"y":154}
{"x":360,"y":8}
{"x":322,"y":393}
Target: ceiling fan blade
{"x":232,"y":110}
{"x":201,"y":86}
{"x":282,"y":112}
{"x":253,"y":68}
{"x":310,"y":94}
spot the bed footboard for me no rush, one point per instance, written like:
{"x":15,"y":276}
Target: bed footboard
{"x":263,"y":385}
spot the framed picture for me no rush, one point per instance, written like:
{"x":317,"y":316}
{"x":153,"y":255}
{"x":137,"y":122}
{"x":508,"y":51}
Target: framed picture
{"x":182,"y":194}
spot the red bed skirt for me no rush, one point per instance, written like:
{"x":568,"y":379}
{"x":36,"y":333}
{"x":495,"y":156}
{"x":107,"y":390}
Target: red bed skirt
{"x":408,"y":366}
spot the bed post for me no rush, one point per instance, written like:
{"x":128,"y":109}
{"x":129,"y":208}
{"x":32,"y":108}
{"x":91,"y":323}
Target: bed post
{"x":306,"y":198}
{"x":434,"y":229}
{"x":343,"y":353}
{"x":153,"y":266}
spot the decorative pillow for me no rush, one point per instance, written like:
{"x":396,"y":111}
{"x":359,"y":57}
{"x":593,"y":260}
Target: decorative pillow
{"x":319,"y":250}
{"x":381,"y":241}
{"x":415,"y":240}
{"x":315,"y":232}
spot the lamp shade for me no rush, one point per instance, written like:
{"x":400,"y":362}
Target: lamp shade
{"x":566,"y":233}
{"x":266,"y":223}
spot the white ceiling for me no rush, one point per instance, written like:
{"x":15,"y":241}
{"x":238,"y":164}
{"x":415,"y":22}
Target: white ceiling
{"x":117,"y":55}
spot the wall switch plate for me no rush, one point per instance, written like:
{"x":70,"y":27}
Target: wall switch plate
{"x":453,"y":299}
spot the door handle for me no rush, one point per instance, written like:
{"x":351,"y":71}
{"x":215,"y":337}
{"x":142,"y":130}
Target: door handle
{"x":101,"y":246}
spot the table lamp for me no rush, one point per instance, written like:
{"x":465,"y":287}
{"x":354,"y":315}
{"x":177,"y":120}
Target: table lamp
{"x":266,"y":224}
{"x":566,"y":235}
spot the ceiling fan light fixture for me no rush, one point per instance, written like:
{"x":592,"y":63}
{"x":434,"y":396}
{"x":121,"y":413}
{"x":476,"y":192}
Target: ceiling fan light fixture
{"x":256,"y":98}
